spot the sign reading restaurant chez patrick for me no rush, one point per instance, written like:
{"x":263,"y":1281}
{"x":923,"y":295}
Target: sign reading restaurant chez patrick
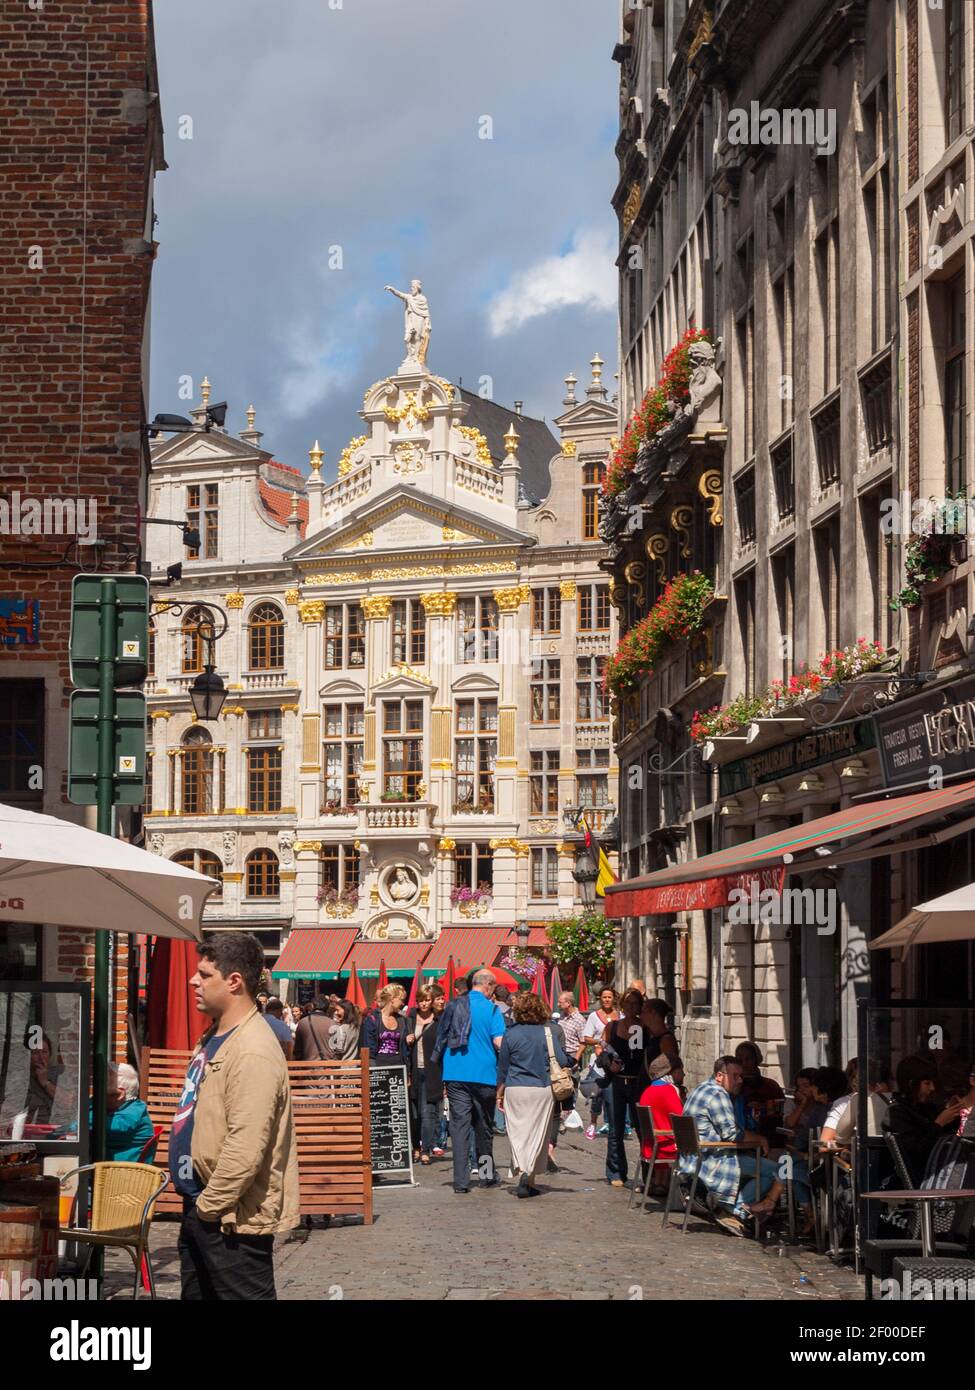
{"x":814,"y":749}
{"x":933,"y":734}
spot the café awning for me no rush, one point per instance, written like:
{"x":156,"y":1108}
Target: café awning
{"x":878,"y":827}
{"x":469,"y":946}
{"x":314,"y":953}
{"x":401,"y":957}
{"x":948,"y":918}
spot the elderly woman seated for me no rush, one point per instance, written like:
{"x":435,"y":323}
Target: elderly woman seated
{"x":129,"y":1126}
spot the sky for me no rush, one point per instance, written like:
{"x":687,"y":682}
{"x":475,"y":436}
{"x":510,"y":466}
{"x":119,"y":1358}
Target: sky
{"x":320,"y":149}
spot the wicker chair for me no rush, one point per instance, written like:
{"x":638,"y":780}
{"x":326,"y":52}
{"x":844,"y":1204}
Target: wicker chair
{"x":123,"y":1198}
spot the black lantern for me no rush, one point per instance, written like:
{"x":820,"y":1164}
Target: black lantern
{"x":208,"y":693}
{"x":585,"y":874}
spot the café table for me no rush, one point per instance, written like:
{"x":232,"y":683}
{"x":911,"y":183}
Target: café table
{"x":926,"y":1197}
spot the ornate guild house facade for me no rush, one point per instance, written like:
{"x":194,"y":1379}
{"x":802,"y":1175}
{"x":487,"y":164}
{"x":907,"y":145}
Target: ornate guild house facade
{"x":414,"y":658}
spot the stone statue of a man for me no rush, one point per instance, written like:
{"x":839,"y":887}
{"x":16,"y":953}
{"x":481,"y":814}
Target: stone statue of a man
{"x":417,"y":326}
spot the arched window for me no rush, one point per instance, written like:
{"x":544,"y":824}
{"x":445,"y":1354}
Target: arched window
{"x":203,"y":862}
{"x":263,"y":879}
{"x":266,"y":638}
{"x":193,"y":646}
{"x":197,"y":755}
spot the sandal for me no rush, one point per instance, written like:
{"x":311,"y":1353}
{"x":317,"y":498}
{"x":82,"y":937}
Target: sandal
{"x":425,"y":1160}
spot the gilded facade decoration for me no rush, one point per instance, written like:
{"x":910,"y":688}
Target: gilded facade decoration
{"x":480,"y":443}
{"x":509,"y":600}
{"x":569,"y":448}
{"x":411,"y":413}
{"x":312,"y":610}
{"x":291,"y":597}
{"x":710,"y":486}
{"x":234,"y":600}
{"x":376,"y":606}
{"x":353,"y":447}
{"x":567,"y":589}
{"x":439,"y":605}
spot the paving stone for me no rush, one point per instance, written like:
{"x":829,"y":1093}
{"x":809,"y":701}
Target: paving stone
{"x":560,"y":1233}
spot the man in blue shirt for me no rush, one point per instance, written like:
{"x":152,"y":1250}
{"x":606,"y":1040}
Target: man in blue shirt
{"x":472,"y":1029}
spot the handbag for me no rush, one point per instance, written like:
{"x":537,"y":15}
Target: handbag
{"x":562,"y":1084}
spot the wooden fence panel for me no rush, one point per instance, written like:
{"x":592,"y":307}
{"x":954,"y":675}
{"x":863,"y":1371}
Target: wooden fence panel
{"x":330,"y":1111}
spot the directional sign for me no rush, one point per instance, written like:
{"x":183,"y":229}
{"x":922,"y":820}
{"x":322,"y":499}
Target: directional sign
{"x":132,"y":629}
{"x":129,"y":755}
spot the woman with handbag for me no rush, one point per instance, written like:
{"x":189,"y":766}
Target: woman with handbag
{"x":532,"y":1075}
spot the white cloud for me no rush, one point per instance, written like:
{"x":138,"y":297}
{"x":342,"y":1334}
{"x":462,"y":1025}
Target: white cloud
{"x":584,"y":276}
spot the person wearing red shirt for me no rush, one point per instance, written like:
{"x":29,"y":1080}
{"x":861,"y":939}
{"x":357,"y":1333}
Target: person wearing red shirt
{"x":663,"y":1099}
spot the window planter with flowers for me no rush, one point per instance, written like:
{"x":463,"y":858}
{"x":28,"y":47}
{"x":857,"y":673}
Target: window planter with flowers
{"x":472,"y":902}
{"x":835,"y":669}
{"x":522,"y":963}
{"x":677,"y":614}
{"x":338,"y":902}
{"x":655,"y":412}
{"x":931,"y":554}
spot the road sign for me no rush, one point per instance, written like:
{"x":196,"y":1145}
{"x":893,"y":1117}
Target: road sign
{"x":128,"y":752}
{"x":132,"y":629}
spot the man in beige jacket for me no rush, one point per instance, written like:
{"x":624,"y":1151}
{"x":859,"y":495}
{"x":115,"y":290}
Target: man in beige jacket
{"x":232,"y":1147}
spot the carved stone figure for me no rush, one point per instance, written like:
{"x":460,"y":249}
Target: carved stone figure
{"x":402,"y":886}
{"x":704,"y":385}
{"x":156,"y":844}
{"x":417,"y":322}
{"x":229,"y":846}
{"x":286,"y":841}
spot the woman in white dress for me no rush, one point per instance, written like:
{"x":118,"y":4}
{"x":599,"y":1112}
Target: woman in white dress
{"x":525,"y":1086}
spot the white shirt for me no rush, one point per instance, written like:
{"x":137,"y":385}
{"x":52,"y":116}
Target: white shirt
{"x":836,"y":1112}
{"x":595,"y":1027}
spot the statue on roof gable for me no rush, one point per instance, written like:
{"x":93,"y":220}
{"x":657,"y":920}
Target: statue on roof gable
{"x":417,"y":323}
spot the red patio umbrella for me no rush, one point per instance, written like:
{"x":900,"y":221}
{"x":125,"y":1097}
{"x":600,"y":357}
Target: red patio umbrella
{"x":354,"y":992}
{"x":554,"y":987}
{"x":414,"y":988}
{"x":581,"y":991}
{"x":172,"y":1018}
{"x":539,"y":986}
{"x":448,"y":979}
{"x":383,"y":977}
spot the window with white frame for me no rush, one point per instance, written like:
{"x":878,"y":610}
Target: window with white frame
{"x":402,"y":739}
{"x":547,"y":610}
{"x":546,"y":675}
{"x":544,"y":782}
{"x":475,"y":754}
{"x":477,"y":628}
{"x":343,"y":636}
{"x":343,"y":727}
{"x":473,"y":865}
{"x":408,"y":632}
{"x":592,"y":701}
{"x":592,"y":776}
{"x":545,"y":872}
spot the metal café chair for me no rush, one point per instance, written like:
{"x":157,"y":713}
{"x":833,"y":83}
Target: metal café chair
{"x":691,"y":1145}
{"x":122,"y":1204}
{"x":649,"y":1137}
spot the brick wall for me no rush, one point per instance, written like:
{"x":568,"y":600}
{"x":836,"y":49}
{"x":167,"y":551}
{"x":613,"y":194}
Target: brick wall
{"x":81,"y":139}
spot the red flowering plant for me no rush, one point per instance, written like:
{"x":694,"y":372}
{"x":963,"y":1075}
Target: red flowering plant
{"x":653,"y":413}
{"x":833,"y":669}
{"x":678,"y":613}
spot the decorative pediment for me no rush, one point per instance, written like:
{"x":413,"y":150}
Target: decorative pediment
{"x":474,"y":683}
{"x":333,"y":690}
{"x":205,"y":448}
{"x":403,"y":680}
{"x":402,"y":520}
{"x":591,"y":413}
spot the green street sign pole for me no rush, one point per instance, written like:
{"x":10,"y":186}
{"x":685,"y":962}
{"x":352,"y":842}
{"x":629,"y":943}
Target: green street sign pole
{"x":105,"y":804}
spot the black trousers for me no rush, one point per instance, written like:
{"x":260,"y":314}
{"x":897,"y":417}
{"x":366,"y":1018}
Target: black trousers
{"x":471,"y":1106}
{"x":215,"y":1265}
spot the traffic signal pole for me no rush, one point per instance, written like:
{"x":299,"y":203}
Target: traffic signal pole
{"x":108,"y":614}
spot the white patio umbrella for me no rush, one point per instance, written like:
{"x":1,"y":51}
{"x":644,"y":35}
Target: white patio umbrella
{"x":55,"y":871}
{"x":948,"y":918}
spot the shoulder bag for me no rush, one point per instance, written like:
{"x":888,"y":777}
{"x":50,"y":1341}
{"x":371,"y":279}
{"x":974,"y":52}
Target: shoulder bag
{"x":562,"y":1086}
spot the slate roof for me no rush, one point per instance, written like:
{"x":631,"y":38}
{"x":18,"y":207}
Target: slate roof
{"x":537,"y":444}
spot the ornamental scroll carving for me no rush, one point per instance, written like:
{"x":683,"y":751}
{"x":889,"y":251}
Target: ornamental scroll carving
{"x":710,"y":486}
{"x":681,"y":521}
{"x":635,"y":573}
{"x":657,"y":547}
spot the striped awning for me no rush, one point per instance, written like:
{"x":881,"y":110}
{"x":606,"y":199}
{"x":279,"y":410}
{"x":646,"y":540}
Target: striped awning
{"x":469,"y":946}
{"x":314,"y":953}
{"x":537,"y":935}
{"x":401,"y":957}
{"x":875,"y":828}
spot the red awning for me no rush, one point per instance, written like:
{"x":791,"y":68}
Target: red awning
{"x":765,"y":861}
{"x":537,"y":935}
{"x":314,"y":953}
{"x":469,"y":946}
{"x":401,"y":957}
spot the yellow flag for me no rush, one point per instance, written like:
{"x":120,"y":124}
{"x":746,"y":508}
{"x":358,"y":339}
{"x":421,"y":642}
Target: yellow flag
{"x":606,"y":875}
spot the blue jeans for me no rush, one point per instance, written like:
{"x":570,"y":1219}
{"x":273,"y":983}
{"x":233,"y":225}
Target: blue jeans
{"x":471,"y":1108}
{"x":769,"y":1171}
{"x":427,"y":1112}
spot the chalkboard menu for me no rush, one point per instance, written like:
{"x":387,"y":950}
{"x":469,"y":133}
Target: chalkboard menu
{"x":389,"y":1122}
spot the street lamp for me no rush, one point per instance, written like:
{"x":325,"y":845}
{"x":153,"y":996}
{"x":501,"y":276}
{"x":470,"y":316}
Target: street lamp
{"x":585,"y":874}
{"x":522,"y":931}
{"x":208,"y":692}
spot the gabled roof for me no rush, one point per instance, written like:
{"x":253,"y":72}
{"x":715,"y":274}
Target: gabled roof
{"x":537,"y":444}
{"x":277,"y":503}
{"x":199,"y":446}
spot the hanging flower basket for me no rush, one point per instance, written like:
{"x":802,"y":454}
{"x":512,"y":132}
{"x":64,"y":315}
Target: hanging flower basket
{"x":677,"y":614}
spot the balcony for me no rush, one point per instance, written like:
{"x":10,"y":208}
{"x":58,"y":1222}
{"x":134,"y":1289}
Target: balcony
{"x":474,"y":477}
{"x":594,"y":735}
{"x":266,"y":680}
{"x":393,"y":817}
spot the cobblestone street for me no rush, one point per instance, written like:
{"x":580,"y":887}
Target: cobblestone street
{"x":571,"y":1243}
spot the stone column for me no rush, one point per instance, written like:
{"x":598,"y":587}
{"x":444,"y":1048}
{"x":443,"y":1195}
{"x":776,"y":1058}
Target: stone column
{"x":507,"y":852}
{"x":376,"y":611}
{"x":236,"y":793}
{"x":509,"y":602}
{"x":160,"y":763}
{"x":305,"y":904}
{"x":311,"y":612}
{"x":439,"y":608}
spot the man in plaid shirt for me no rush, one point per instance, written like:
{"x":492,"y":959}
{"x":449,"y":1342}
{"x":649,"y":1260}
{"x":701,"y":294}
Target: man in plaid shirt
{"x":710,"y":1104}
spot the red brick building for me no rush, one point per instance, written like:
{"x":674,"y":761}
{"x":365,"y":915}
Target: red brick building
{"x":80,"y":113}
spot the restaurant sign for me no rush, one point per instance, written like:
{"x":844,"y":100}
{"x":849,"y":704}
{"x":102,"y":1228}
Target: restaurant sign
{"x":930,"y":737}
{"x":693,"y":895}
{"x":813,"y":749}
